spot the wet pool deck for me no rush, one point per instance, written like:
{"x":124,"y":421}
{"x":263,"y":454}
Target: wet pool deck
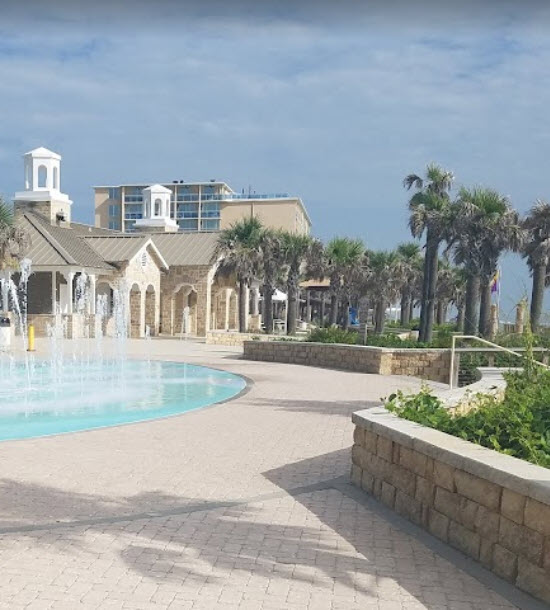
{"x":243,"y":505}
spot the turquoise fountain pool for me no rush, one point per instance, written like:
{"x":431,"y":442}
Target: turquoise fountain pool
{"x":41,"y":398}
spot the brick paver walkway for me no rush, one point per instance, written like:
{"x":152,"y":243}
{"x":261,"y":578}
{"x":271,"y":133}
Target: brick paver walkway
{"x":238,"y":506}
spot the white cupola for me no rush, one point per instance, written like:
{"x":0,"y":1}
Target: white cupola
{"x":156,"y":210}
{"x":42,"y":186}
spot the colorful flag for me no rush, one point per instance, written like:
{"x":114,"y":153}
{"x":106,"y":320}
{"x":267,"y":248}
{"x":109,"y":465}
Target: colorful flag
{"x":495,"y":283}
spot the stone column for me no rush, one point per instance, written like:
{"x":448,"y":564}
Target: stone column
{"x":322,"y":313}
{"x":227,"y":305}
{"x":92,"y":303}
{"x":54,"y":292}
{"x":142,"y":314}
{"x":70,"y":291}
{"x":308,"y":306}
{"x":255,"y":301}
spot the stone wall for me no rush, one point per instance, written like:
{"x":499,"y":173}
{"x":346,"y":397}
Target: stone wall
{"x":220,"y":337}
{"x":492,"y":507}
{"x":432,"y":364}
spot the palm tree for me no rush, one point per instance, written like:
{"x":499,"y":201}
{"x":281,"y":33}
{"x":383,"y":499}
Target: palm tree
{"x":239,"y":247}
{"x":270,"y":262}
{"x":343,"y":259}
{"x":484,"y":226}
{"x":537,"y":252}
{"x":13,"y":240}
{"x":386,"y":274}
{"x":411,"y":259}
{"x":429,"y":213}
{"x":299,"y":252}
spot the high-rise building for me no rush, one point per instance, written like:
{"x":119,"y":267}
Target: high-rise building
{"x":198,"y":207}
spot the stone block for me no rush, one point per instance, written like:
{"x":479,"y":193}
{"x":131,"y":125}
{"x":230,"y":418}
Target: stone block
{"x":486,"y":553}
{"x":367,"y":481}
{"x":425,"y":491}
{"x":444,"y":475}
{"x":438,"y":524}
{"x":384,"y":448}
{"x":464,"y":539}
{"x":377,"y":488}
{"x":377,"y":466}
{"x":397,"y":449}
{"x":356,"y":475}
{"x":512,"y":505}
{"x":487,"y":524}
{"x":388,"y":494}
{"x":413,"y":460}
{"x":358,"y":455}
{"x":477,"y":489}
{"x":403,"y":479}
{"x":359,"y":436}
{"x":505,"y":563}
{"x":521,"y":540}
{"x":408,"y":507}
{"x":447,"y":503}
{"x":371,"y":440}
{"x":533,"y":579}
{"x":537,"y":516}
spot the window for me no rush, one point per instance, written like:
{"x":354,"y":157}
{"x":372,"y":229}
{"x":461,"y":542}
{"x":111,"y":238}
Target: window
{"x":133,"y":194}
{"x":114,"y":192}
{"x":42,"y":176}
{"x":188,"y":210}
{"x":114,"y":225}
{"x":210,"y":210}
{"x":144,"y":259}
{"x":158,"y":207}
{"x":189,"y":225}
{"x":114,"y":210}
{"x":210,"y":225}
{"x":187,"y":193}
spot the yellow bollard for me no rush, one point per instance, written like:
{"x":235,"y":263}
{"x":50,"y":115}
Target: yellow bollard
{"x":31,"y":338}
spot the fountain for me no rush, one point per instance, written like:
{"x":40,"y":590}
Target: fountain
{"x":92,"y":383}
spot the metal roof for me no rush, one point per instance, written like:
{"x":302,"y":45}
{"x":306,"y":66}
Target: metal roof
{"x":186,"y":248}
{"x":117,"y":248}
{"x":54,"y":245}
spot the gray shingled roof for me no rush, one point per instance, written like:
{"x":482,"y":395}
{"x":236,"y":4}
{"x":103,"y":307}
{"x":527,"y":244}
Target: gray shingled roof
{"x":116,"y":248}
{"x":186,"y":248}
{"x":52,"y":245}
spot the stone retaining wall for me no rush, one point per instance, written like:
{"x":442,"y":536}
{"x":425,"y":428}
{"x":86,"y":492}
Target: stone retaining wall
{"x":492,"y":507}
{"x":224,"y":337}
{"x":432,"y":364}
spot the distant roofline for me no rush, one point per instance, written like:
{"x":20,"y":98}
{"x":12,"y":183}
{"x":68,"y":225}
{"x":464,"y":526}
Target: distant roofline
{"x":166,"y":184}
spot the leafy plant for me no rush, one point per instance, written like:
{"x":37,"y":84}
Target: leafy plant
{"x":333,"y":334}
{"x":518,"y":425}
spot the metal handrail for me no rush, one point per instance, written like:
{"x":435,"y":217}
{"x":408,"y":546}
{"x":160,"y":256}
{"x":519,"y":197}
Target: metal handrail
{"x":481,"y":340}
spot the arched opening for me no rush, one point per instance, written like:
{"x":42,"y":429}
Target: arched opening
{"x":158,"y":207}
{"x":184,"y":310}
{"x":42,"y":176}
{"x":150,"y":310}
{"x":135,"y":312}
{"x":104,"y":299}
{"x":55,"y":178}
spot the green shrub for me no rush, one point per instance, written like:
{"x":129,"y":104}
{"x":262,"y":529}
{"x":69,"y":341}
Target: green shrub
{"x":519,"y":425}
{"x":333,"y":334}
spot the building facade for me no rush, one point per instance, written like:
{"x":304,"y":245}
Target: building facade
{"x":167,"y":277}
{"x":198,"y":207}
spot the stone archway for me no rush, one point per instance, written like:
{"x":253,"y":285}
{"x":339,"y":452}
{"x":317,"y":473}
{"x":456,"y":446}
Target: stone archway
{"x":184,"y":321}
{"x":135,"y":312}
{"x":150,"y":310}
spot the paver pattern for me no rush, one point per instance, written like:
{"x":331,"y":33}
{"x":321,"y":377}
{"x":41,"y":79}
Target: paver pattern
{"x":226,"y":507}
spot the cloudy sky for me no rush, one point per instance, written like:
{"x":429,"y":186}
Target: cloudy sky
{"x":334,"y":103}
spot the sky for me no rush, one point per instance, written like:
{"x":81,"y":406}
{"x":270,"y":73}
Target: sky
{"x":334,"y":102}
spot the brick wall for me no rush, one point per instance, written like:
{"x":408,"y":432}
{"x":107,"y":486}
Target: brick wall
{"x":492,"y":507}
{"x":428,"y":364}
{"x":235,"y":338}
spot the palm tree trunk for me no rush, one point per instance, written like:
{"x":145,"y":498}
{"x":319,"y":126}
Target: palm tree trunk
{"x":268,"y":308}
{"x":537,"y":295}
{"x":242,"y":306}
{"x":440,"y":315}
{"x":411,"y":309}
{"x":333,"y":310}
{"x":471,"y":315}
{"x":381,"y":317}
{"x":292,"y":307}
{"x":460,"y":317}
{"x":405,"y":307}
{"x":433,"y":261}
{"x":424,"y":299}
{"x":485,"y":308}
{"x":322,"y":313}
